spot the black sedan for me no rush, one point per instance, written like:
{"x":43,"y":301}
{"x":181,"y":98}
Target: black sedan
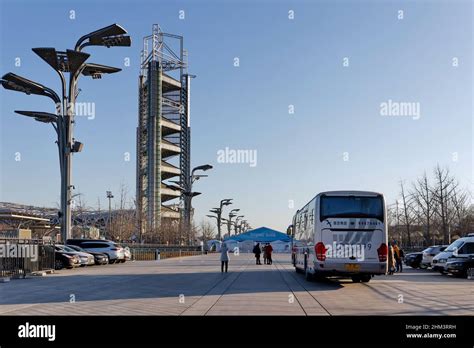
{"x":414,"y":259}
{"x":65,"y":260}
{"x":99,"y":258}
{"x":461,"y":266}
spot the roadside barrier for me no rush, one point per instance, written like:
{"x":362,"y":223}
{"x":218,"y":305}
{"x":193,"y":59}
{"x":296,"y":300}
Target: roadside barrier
{"x":20,"y":257}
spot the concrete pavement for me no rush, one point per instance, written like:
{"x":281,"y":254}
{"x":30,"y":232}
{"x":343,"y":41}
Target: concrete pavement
{"x":195,"y":286}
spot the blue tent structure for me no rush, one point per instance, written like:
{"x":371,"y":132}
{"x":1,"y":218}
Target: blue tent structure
{"x":261,"y":234}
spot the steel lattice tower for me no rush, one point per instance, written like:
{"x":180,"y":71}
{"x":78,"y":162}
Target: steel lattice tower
{"x":163,"y":132}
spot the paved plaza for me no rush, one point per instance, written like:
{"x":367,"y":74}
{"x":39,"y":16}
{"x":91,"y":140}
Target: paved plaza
{"x":195,"y":286}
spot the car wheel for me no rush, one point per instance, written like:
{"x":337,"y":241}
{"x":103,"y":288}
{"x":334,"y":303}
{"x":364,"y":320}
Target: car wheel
{"x":365,"y":278}
{"x":58,"y":264}
{"x":356,"y":279}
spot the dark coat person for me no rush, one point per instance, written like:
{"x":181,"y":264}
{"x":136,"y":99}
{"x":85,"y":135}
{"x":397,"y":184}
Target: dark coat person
{"x":257,"y":252}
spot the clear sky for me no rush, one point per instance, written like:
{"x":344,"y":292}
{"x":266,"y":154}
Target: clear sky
{"x":283,"y":62}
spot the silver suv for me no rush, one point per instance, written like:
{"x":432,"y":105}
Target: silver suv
{"x":431,"y":252}
{"x":114,"y":251}
{"x":462,"y":248}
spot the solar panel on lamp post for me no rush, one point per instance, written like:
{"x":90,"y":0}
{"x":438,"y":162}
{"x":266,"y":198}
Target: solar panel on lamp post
{"x":73,"y":62}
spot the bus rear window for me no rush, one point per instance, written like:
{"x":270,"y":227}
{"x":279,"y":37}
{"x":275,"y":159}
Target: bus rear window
{"x":352,"y":206}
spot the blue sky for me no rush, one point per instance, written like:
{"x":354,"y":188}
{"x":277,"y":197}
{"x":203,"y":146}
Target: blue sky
{"x":282,"y":62}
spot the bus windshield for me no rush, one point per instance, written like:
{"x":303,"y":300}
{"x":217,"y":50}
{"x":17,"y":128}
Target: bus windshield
{"x":352,"y":206}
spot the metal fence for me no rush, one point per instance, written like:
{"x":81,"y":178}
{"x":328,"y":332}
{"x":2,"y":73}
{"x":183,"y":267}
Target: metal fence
{"x":19,"y":257}
{"x":149,"y":252}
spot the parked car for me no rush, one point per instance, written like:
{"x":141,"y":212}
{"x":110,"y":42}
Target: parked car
{"x":114,"y":251}
{"x":431,"y":252}
{"x":413,"y":259}
{"x":86,"y":259}
{"x":462,"y":248}
{"x":461,"y":266}
{"x":65,"y":260}
{"x":99,"y":258}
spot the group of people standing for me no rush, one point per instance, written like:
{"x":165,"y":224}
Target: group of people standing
{"x":266,"y":250}
{"x":395,"y":258}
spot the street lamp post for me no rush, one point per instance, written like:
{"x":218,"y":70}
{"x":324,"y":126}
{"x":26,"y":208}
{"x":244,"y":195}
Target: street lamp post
{"x":72,"y":62}
{"x":109,"y":196}
{"x":243,"y":226}
{"x":218,"y":216}
{"x":232,"y":214}
{"x":189,"y":194}
{"x":236,"y":224}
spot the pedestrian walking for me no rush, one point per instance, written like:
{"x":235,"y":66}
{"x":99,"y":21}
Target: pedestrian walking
{"x":224,"y":257}
{"x":390,"y":259}
{"x":396,"y":255}
{"x":257,"y":251}
{"x":401,"y":255}
{"x":269,"y":253}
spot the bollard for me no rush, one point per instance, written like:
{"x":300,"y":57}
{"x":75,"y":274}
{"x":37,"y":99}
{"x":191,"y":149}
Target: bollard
{"x":158,"y":255}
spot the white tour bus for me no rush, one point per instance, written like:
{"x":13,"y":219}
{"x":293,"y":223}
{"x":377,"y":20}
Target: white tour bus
{"x":341,"y":233}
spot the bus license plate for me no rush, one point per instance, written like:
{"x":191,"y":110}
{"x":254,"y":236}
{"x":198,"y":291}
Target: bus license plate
{"x":352,"y":267}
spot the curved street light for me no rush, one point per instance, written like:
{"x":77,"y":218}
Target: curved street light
{"x":72,"y":62}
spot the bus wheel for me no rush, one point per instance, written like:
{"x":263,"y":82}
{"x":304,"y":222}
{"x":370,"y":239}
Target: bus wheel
{"x":365,"y":278}
{"x":356,"y":279}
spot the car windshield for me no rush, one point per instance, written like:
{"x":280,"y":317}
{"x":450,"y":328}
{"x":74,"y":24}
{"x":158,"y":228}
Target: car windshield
{"x":427,"y":250}
{"x":352,"y":206}
{"x":66,"y":248}
{"x":455,"y":245}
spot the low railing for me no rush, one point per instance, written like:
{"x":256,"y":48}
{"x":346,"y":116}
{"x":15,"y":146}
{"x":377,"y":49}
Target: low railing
{"x":19,"y":257}
{"x":163,"y":247}
{"x":149,"y":254}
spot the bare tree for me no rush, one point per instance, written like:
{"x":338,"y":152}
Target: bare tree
{"x":460,"y":210}
{"x":406,"y":215}
{"x":207,"y":231}
{"x":443,"y":190}
{"x":122,"y":226}
{"x":424,"y":206}
{"x":78,"y":213}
